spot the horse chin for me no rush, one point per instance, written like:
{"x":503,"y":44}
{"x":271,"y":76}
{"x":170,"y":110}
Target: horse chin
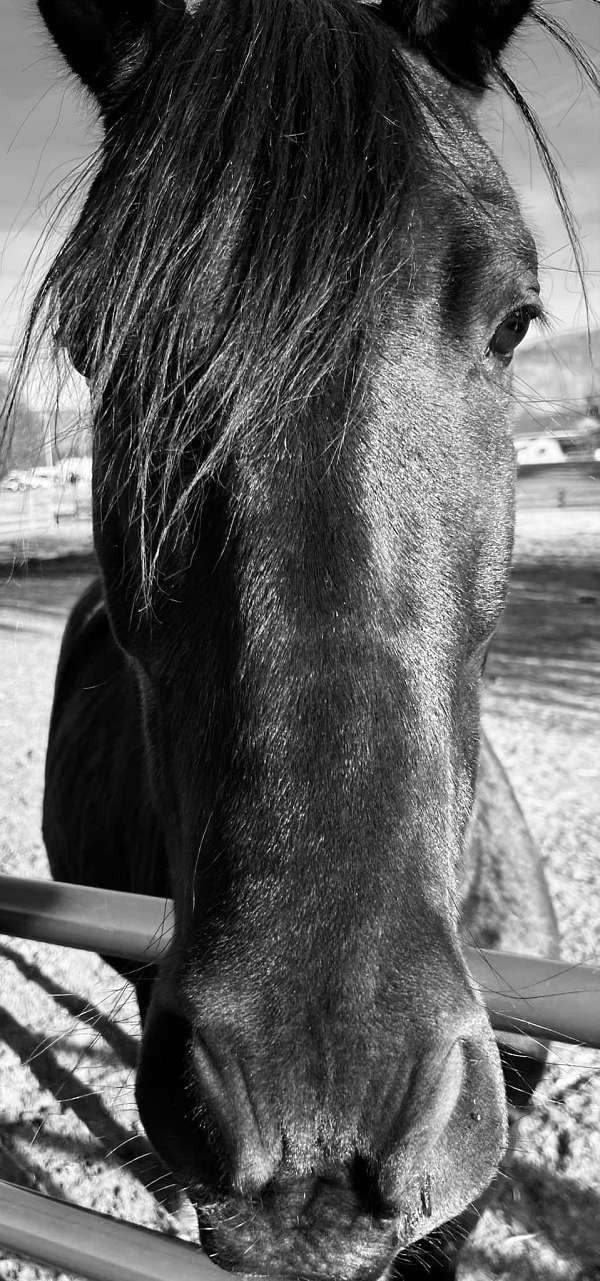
{"x":309,"y":1261}
{"x":317,"y":1232}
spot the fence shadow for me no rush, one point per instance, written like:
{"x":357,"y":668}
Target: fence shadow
{"x":549,"y":1202}
{"x":126,"y":1148}
{"x":121,"y":1044}
{"x":27,"y":1138}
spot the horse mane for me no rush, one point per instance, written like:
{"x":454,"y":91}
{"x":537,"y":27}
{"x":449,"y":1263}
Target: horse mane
{"x":234,"y":251}
{"x":236,"y":238}
{"x":588,"y":71}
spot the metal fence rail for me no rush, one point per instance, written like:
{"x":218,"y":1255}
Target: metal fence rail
{"x":95,"y":920}
{"x":62,"y":1236}
{"x":526,"y":994}
{"x":523,"y":994}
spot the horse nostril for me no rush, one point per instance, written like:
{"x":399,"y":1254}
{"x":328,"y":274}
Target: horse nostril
{"x":448,"y":1136}
{"x":199,"y":1111}
{"x":224,"y":1090}
{"x":425,"y":1110}
{"x":162,"y":1098}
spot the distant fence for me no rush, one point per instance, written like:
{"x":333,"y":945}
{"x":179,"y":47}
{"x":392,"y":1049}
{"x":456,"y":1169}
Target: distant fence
{"x":574,"y":483}
{"x":73,"y":500}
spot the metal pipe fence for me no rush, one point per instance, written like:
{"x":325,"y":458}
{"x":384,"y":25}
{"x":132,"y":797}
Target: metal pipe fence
{"x":533,"y":995}
{"x":529,"y":995}
{"x":93,"y":1245}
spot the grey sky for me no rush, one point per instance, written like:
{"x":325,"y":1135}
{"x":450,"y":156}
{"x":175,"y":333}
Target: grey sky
{"x":47,"y":128}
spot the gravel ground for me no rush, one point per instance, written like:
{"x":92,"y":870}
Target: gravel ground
{"x":542,"y":712}
{"x":68,"y":1029}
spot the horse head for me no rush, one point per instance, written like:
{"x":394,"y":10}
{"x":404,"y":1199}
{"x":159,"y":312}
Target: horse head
{"x":295,"y":287}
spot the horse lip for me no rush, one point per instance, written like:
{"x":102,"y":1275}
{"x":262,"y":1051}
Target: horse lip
{"x":290,"y":1271}
{"x":219,"y":1224}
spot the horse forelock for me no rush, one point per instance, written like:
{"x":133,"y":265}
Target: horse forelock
{"x":238,"y":242}
{"x":241,"y":238}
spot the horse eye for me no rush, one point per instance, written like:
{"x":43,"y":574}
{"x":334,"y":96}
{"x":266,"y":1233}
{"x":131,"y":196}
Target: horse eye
{"x":510,"y":333}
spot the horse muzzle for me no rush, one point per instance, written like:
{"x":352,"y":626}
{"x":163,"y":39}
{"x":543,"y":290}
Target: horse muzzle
{"x":286,"y":1185}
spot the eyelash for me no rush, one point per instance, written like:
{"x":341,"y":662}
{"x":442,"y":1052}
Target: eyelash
{"x":502,"y":346}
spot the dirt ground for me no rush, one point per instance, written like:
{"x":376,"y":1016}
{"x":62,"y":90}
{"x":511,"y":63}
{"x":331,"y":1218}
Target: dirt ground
{"x":68,"y":1028}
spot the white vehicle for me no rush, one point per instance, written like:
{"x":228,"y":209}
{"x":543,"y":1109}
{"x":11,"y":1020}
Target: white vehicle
{"x":538,"y":449}
{"x":29,"y":478}
{"x":13,"y":482}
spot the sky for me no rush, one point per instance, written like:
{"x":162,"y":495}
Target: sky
{"x":48,"y":128}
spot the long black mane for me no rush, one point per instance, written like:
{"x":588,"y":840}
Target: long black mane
{"x":235,"y":248}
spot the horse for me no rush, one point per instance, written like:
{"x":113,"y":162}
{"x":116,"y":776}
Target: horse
{"x":295,"y":287}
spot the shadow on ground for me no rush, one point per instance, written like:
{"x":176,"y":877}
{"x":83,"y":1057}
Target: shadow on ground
{"x":102,"y":1137}
{"x":547,"y":646}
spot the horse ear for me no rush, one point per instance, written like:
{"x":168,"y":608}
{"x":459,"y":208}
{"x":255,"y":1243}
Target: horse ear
{"x":104,"y":41}
{"x":463,"y":38}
